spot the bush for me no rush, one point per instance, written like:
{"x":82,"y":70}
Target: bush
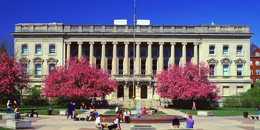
{"x":187,"y":104}
{"x":34,"y":98}
{"x":233,"y":101}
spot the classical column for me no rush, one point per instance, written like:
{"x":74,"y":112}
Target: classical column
{"x":114,"y":59}
{"x":138,"y":91}
{"x":91,"y":52}
{"x":137,"y":59}
{"x":68,"y":50}
{"x":172,"y":53}
{"x":150,"y":91}
{"x":80,"y":49}
{"x":125,"y":69}
{"x":149,"y":59}
{"x":103,"y":55}
{"x":195,"y":61}
{"x":160,"y":62}
{"x":184,"y":53}
{"x":126,"y":91}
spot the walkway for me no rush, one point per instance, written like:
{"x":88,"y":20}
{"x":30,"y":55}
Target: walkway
{"x":56,"y":122}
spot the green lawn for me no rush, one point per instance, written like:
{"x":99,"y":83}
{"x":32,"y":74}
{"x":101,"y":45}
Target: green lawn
{"x":221,"y":111}
{"x":0,"y":117}
{"x":1,"y":128}
{"x":42,"y":110}
{"x":112,"y":111}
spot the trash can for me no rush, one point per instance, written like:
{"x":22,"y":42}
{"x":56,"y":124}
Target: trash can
{"x":245,"y":114}
{"x":49,"y":112}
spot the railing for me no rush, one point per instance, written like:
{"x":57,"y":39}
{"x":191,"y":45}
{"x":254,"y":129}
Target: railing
{"x":60,"y":27}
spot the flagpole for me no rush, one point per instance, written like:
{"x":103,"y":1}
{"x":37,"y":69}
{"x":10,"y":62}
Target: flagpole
{"x":134,"y":55}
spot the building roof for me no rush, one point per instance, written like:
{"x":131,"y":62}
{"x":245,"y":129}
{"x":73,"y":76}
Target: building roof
{"x":252,"y":49}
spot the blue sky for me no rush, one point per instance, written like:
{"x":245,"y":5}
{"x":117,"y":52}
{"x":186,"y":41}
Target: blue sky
{"x":160,"y":12}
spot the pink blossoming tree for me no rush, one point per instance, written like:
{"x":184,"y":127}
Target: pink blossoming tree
{"x":77,"y":79}
{"x":186,"y":83}
{"x":12,"y":75}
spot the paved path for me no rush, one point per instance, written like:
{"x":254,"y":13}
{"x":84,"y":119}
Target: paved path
{"x":56,"y":122}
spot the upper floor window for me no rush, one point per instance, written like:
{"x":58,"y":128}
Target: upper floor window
{"x":257,"y":63}
{"x":38,"y":49}
{"x":177,"y":53}
{"x":155,"y":52}
{"x":143,"y":52}
{"x":166,"y":52}
{"x":86,"y":52}
{"x":98,"y":51}
{"x":51,"y":67}
{"x":38,"y":69}
{"x":189,"y":52}
{"x":239,"y":70}
{"x":251,"y":72}
{"x":257,"y":72}
{"x":131,"y":52}
{"x":225,"y":70}
{"x":24,"y":49}
{"x":225,"y":50}
{"x":212,"y":69}
{"x":251,"y":63}
{"x":212,"y":50}
{"x":257,"y":54}
{"x":239,"y":50}
{"x":52,"y":49}
{"x":110,"y":51}
{"x":121,"y":52}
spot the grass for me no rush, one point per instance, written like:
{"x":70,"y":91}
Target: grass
{"x":42,"y":110}
{"x":0,"y":117}
{"x":112,"y":111}
{"x":223,"y":111}
{"x":2,"y":128}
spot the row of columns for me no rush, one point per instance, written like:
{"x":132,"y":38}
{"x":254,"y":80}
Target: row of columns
{"x":137,"y":58}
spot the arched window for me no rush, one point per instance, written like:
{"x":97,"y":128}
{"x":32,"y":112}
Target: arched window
{"x":24,"y":49}
{"x":257,"y":63}
{"x":257,"y":54}
{"x":251,"y":63}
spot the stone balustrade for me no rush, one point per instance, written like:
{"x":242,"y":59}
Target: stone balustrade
{"x":60,"y":27}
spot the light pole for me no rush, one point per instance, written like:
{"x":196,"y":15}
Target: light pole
{"x":133,"y":99}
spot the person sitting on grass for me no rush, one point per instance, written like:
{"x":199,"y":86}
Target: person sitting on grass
{"x":115,"y":125}
{"x":175,"y":122}
{"x":34,"y":111}
{"x":98,"y":122}
{"x":186,"y":116}
{"x":190,"y":122}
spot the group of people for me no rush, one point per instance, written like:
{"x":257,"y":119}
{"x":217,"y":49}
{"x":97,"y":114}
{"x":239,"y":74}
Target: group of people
{"x":187,"y":117}
{"x":115,"y":125}
{"x":146,"y":111}
{"x":16,"y":110}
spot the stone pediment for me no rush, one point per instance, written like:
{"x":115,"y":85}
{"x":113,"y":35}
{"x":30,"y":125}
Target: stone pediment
{"x":240,"y":61}
{"x":52,"y":60}
{"x":212,"y":61}
{"x":226,"y":61}
{"x":37,"y":60}
{"x":24,"y":60}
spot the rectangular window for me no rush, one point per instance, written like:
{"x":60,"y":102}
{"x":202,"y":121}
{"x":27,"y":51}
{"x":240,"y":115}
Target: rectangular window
{"x":240,"y":89}
{"x":239,"y":50}
{"x":212,"y":68}
{"x":225,"y":50}
{"x":51,"y":67}
{"x":212,"y":50}
{"x":257,"y":72}
{"x":225,"y":90}
{"x":225,"y":70}
{"x":38,"y":69}
{"x":143,"y":52}
{"x":155,"y":52}
{"x":52,"y":49}
{"x":166,"y":53}
{"x":251,"y":72}
{"x":177,"y":53}
{"x":239,"y":70}
{"x":38,"y":49}
{"x":24,"y":49}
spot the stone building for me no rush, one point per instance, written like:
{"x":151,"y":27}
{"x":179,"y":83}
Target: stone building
{"x":225,"y":48}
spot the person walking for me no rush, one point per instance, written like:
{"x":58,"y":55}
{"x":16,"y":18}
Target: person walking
{"x":70,"y":110}
{"x":8,"y":105}
{"x":83,"y":107}
{"x":259,"y":110}
{"x":73,"y":109}
{"x":193,"y":106}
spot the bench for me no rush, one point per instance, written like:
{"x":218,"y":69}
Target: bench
{"x":254,"y":117}
{"x":142,"y":127}
{"x":63,"y":112}
{"x":205,"y":113}
{"x":18,"y":124}
{"x":8,"y":116}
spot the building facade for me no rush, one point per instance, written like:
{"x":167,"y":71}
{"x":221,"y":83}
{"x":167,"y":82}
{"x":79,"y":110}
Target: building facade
{"x":225,"y":48}
{"x":254,"y":63}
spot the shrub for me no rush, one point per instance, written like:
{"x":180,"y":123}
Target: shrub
{"x":233,"y":101}
{"x":34,"y":98}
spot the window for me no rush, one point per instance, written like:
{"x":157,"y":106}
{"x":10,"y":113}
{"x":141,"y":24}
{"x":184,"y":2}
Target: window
{"x":155,"y":52}
{"x":38,"y":49}
{"x":38,"y":69}
{"x":165,"y":52}
{"x":24,"y":49}
{"x":131,"y":52}
{"x":239,"y":50}
{"x":86,"y":52}
{"x":52,"y":49}
{"x":240,"y":89}
{"x":239,"y":70}
{"x":251,"y":63}
{"x":98,"y":51}
{"x":25,"y":68}
{"x":189,"y":52}
{"x":225,"y":70}
{"x":165,"y":64}
{"x":257,"y":72}
{"x":143,"y":52}
{"x":257,"y":63}
{"x":225,"y":90}
{"x":212,"y":50}
{"x":257,"y":54}
{"x":212,"y":69}
{"x":109,"y":51}
{"x":121,"y":52}
{"x":51,"y":67}
{"x":251,"y":72}
{"x":177,"y":53}
{"x":177,"y":61}
{"x":225,"y":50}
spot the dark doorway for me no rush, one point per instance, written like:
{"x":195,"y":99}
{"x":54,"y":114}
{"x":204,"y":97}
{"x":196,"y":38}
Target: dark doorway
{"x":131,"y":91}
{"x":120,"y":91}
{"x":143,"y":92}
